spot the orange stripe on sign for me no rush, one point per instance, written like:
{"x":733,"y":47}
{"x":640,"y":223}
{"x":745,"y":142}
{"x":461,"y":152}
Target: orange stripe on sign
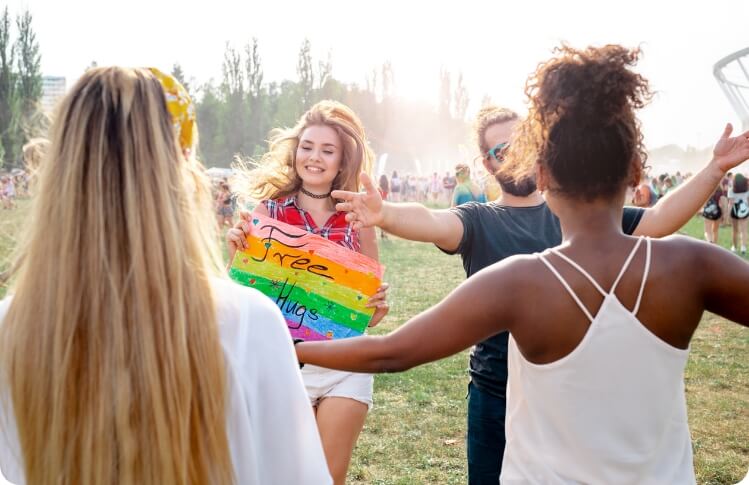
{"x":298,"y":259}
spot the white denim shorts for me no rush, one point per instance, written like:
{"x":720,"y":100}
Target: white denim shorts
{"x":321,"y":383}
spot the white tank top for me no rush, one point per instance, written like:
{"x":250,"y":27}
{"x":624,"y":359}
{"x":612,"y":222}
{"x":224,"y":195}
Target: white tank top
{"x":613,"y":411}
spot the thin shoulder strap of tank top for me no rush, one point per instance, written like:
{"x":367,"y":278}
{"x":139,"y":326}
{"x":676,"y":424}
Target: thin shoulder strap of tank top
{"x":626,"y":264}
{"x":581,"y":270}
{"x":567,"y":286}
{"x":645,"y":273}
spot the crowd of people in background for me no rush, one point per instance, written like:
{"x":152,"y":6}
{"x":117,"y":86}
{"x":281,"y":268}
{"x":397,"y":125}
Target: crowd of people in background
{"x":728,"y":207}
{"x":13,"y":186}
{"x":16,"y":183}
{"x":434,"y":189}
{"x":226,"y":202}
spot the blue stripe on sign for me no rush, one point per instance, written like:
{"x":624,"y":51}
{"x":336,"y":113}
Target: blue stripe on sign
{"x":322,"y":325}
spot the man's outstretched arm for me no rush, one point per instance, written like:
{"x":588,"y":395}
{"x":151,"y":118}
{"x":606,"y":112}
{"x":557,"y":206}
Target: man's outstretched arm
{"x":407,"y":220}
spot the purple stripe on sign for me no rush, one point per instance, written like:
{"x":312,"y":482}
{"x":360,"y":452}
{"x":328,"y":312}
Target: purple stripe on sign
{"x":304,"y":333}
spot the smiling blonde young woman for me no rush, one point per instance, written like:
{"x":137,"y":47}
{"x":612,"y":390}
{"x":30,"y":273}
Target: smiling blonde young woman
{"x":325,"y":151}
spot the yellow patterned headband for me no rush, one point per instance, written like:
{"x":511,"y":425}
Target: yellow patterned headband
{"x":180,"y":107}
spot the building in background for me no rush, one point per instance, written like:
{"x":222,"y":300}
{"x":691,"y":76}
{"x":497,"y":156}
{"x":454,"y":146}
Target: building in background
{"x":53,"y":88}
{"x":732,"y":73}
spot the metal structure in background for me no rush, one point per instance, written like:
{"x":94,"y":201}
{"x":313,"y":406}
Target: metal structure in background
{"x":732,"y":73}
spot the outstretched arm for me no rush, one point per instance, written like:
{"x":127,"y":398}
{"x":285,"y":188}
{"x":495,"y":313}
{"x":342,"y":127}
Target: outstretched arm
{"x":725,"y":279}
{"x":675,"y":210}
{"x":407,"y":220}
{"x":477,"y":309}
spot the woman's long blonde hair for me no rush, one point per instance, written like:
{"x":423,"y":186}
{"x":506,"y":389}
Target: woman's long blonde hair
{"x":110,"y":348}
{"x":275,"y":175}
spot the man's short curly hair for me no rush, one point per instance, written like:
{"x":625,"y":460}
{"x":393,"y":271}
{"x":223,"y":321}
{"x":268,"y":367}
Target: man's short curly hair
{"x":488,"y":116}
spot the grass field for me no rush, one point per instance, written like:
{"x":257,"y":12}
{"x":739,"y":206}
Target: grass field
{"x":415,"y":433}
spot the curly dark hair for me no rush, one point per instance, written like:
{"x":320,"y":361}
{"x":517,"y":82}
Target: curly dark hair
{"x":581,"y":123}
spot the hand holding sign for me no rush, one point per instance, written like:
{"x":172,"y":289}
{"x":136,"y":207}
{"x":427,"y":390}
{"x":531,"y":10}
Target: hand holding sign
{"x":324,"y":290}
{"x":236,"y":237}
{"x":378,"y":301}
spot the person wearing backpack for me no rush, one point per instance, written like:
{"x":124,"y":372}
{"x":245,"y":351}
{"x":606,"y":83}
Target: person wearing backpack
{"x":395,"y":187}
{"x":712,"y":213}
{"x":737,"y":196}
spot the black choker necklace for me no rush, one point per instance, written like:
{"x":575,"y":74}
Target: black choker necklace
{"x":314,"y":196}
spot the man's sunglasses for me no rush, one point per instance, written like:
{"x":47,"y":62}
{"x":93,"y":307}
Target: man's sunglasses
{"x":496,"y":152}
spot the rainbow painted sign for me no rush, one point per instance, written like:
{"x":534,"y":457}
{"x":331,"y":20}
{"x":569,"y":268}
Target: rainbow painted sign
{"x":320,"y":287}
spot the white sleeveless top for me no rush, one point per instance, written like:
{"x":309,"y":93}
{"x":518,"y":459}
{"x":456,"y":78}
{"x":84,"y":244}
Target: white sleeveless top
{"x":612,"y":411}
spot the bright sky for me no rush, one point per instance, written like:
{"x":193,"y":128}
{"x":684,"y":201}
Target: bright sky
{"x":495,"y":44}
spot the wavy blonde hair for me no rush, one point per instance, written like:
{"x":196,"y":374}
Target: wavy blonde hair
{"x":33,"y":153}
{"x":110,"y":348}
{"x":275,"y":175}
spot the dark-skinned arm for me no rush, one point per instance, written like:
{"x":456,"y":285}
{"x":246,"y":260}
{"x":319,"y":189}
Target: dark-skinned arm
{"x":725,"y":280}
{"x":477,"y":309}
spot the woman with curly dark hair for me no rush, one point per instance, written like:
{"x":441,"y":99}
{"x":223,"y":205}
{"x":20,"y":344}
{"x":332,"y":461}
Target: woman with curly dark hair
{"x":600,"y":325}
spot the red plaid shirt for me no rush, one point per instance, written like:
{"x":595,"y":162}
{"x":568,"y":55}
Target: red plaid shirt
{"x":336,"y":228}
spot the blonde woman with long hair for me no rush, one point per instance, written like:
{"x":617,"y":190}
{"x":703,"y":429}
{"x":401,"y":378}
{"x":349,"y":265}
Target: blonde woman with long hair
{"x":124,"y":358}
{"x":325,"y":151}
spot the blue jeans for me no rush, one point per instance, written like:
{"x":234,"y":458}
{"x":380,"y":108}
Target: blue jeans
{"x":486,"y":436}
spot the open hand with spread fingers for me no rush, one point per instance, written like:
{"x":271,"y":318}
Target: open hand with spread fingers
{"x":365,"y":209}
{"x":731,"y":151}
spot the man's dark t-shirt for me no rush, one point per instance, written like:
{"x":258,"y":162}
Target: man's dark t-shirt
{"x":491,"y":233}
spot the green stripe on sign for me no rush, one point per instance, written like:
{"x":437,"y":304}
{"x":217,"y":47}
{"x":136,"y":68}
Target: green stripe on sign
{"x":332,"y":310}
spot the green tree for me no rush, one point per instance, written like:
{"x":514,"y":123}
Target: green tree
{"x":29,"y":77}
{"x":388,"y":80}
{"x":460,"y":99}
{"x":306,"y":74}
{"x":235,"y":109}
{"x":253,"y":68}
{"x":209,"y":112}
{"x":258,"y":115}
{"x":325,"y":71}
{"x":372,"y":82}
{"x":8,"y":91}
{"x":237,"y":115}
{"x":289,"y":106}
{"x":179,"y":75}
{"x":444,"y":100}
{"x":233,"y":80}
